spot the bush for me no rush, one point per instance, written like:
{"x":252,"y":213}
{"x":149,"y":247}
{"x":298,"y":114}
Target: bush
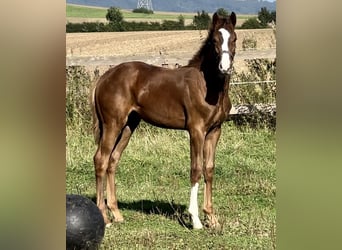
{"x":181,"y":20}
{"x":252,"y":23}
{"x":252,"y":94}
{"x":128,"y":26}
{"x":77,"y":105}
{"x":258,"y":70}
{"x":174,"y":25}
{"x":143,"y":10}
{"x":140,"y":26}
{"x":87,"y":27}
{"x":249,"y":43}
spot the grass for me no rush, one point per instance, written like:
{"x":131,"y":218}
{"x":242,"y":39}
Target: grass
{"x":90,"y":12}
{"x":153,"y":181}
{"x":153,"y":189}
{"x":86,"y":12}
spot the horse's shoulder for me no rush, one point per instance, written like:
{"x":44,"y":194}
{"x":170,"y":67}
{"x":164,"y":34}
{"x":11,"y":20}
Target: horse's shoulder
{"x":192,"y":71}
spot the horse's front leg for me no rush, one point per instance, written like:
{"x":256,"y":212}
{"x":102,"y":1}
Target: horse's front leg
{"x":196,"y":151}
{"x":209,"y":164}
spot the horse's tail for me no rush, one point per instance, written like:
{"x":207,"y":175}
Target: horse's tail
{"x":96,"y":121}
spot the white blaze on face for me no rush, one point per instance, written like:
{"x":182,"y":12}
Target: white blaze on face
{"x":225,"y":60}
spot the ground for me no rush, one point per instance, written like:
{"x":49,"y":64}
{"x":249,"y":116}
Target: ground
{"x":156,"y":47}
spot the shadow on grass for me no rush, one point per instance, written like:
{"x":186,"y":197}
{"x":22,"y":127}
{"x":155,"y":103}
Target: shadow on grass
{"x":167,"y":209}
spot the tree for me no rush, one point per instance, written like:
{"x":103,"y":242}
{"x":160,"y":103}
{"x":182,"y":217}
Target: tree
{"x":114,"y":15}
{"x":274,"y":16}
{"x":181,"y":20}
{"x":222,"y":12}
{"x":201,"y":20}
{"x":264,"y":16}
{"x":115,"y":18}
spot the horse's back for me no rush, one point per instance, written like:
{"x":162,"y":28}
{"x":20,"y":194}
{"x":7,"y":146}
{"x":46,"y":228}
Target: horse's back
{"x":137,"y":72}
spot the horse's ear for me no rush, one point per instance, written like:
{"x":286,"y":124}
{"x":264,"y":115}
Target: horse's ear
{"x":215,"y":18}
{"x":232,"y":18}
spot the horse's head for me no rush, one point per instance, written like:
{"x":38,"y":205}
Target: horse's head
{"x":224,"y":38}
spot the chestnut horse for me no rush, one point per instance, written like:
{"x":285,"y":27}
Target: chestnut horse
{"x":193,"y":98}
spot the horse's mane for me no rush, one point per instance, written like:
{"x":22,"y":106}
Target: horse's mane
{"x":197,"y":59}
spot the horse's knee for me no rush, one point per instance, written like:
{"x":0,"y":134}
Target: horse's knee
{"x":113,"y":162}
{"x":102,"y":207}
{"x":209,"y":173}
{"x":100,"y":165}
{"x":195,"y":174}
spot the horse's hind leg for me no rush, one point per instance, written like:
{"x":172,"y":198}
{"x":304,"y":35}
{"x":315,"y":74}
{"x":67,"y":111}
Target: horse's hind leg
{"x":121,"y":144}
{"x":101,"y":159}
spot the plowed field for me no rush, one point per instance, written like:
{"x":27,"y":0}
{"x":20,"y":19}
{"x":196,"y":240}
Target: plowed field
{"x":156,"y":47}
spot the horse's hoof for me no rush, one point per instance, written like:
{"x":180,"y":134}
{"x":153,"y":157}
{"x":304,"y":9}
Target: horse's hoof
{"x":197,"y":227}
{"x":119,"y":220}
{"x":196,"y":223}
{"x":215,"y":225}
{"x":108,"y":225}
{"x":212,"y":222}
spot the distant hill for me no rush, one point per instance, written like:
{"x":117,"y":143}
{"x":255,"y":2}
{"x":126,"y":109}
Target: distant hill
{"x":238,"y":6}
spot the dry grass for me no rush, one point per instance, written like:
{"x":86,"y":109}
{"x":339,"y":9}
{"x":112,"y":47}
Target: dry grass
{"x":146,"y":42}
{"x":99,"y":50}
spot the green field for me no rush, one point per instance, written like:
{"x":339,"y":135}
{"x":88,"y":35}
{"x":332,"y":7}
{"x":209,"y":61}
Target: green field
{"x":89,"y":12}
{"x":153,"y":189}
{"x":86,"y":12}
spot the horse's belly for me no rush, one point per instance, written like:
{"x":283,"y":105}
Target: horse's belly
{"x":161,"y":103}
{"x":166,"y":115}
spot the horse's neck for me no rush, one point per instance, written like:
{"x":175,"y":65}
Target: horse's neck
{"x":217,"y":84}
{"x":200,"y":57}
{"x":217,"y":90}
{"x":196,"y":62}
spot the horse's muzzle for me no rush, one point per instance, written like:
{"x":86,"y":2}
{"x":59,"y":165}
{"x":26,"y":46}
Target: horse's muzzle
{"x":226,"y":72}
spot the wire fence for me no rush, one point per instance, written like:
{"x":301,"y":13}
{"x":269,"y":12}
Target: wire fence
{"x":253,"y":82}
{"x":246,"y":98}
{"x":158,"y":50}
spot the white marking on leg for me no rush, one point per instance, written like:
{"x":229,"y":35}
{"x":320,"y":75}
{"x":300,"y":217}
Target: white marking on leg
{"x":193,"y":208}
{"x":225,"y":60}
